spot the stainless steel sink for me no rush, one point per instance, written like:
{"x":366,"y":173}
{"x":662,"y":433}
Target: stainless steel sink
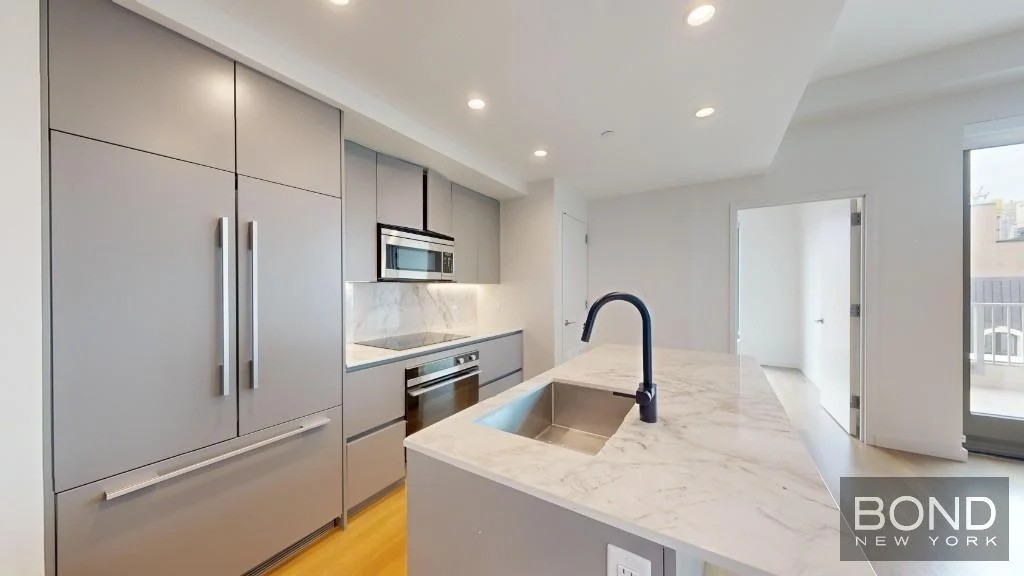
{"x":575,"y":417}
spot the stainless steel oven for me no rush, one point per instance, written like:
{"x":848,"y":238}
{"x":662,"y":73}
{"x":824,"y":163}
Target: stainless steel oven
{"x":438,"y":389}
{"x":406,"y":254}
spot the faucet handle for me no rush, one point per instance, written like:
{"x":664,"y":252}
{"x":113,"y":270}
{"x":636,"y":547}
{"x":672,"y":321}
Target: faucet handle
{"x":645,"y":397}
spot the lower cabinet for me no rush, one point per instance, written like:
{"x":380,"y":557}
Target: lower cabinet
{"x":222,"y":510}
{"x":500,"y":357}
{"x":498,"y":386}
{"x":375,"y":462}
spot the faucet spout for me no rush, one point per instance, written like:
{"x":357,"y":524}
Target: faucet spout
{"x":646,"y":394}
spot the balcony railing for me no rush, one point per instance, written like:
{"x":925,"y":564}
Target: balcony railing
{"x":997,"y":330}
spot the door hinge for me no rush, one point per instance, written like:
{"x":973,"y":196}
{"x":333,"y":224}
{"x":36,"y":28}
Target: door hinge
{"x":854,"y":310}
{"x":856,"y":218}
{"x":586,"y":238}
{"x":855,"y":402}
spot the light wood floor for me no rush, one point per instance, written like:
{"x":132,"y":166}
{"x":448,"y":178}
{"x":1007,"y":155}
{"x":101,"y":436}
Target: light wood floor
{"x":372,"y":545}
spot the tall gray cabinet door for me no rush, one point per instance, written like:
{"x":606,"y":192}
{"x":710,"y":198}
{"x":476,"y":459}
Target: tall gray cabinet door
{"x":399,"y":192}
{"x":360,"y":213}
{"x":439,"y":203}
{"x":118,"y":77}
{"x":464,"y":229}
{"x":286,"y":136}
{"x":143,"y":313}
{"x":489,"y":241}
{"x":293,"y":268}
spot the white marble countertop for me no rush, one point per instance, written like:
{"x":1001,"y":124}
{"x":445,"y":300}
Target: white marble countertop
{"x":358,"y":357}
{"x":721,"y":476}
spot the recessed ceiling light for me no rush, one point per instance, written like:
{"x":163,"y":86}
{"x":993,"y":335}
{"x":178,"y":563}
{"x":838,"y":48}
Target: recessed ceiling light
{"x":540,"y":153}
{"x":340,"y":2}
{"x":704,"y":112}
{"x":476,"y":104}
{"x":701,"y":15}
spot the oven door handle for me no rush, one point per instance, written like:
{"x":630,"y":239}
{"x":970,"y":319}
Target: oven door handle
{"x":414,"y":392}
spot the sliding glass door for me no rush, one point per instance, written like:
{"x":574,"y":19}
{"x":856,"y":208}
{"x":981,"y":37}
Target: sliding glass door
{"x":994,"y":294}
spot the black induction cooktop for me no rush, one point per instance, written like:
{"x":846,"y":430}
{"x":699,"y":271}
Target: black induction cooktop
{"x":407,"y":341}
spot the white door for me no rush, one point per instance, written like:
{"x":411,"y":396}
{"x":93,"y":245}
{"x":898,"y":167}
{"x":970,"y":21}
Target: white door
{"x":830,"y":357}
{"x":574,"y":285}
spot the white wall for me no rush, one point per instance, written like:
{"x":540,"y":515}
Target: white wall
{"x":771,"y":285}
{"x":672,"y":248}
{"x":21,"y":387}
{"x":528,"y":261}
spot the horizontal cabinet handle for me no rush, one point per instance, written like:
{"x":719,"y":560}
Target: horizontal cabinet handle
{"x":312,"y":425}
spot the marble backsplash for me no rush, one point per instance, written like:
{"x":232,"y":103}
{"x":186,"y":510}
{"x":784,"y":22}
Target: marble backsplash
{"x":382,"y":309}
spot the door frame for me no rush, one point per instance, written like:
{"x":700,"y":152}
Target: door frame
{"x":858,"y":335}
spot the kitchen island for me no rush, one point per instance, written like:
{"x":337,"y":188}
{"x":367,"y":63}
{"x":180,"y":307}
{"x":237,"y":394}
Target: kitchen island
{"x":720,"y":484}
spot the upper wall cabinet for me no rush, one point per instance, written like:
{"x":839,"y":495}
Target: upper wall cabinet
{"x":439,"y":203}
{"x":399,"y":193}
{"x":117,"y":77}
{"x":360,"y":213}
{"x":476,"y":225}
{"x":465,"y":229}
{"x":286,"y":136}
{"x":489,"y":241}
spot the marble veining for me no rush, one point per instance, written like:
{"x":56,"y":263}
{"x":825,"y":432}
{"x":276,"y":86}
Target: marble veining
{"x":382,"y":309}
{"x":721,"y":476}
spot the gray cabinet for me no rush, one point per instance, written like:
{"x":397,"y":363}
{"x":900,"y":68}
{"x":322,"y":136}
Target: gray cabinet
{"x":142,"y":310}
{"x":489,"y":241}
{"x":360,"y":213}
{"x":439,"y":203}
{"x":500,"y":385}
{"x":225,"y":518}
{"x":399,"y":193}
{"x":476,"y":226}
{"x":465,"y":229}
{"x":118,"y":77}
{"x":373,"y":397}
{"x":500,"y":357}
{"x":375,"y":462}
{"x":286,"y":136}
{"x":289,"y":259}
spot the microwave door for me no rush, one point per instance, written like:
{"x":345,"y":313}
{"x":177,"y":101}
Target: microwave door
{"x":404,"y":261}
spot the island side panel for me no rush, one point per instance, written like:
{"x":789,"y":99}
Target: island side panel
{"x":461,"y":524}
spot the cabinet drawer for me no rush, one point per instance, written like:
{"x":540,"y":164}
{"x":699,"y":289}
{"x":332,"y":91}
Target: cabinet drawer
{"x":225,"y":518}
{"x":500,"y":385}
{"x":373,"y":397}
{"x":500,"y":356}
{"x":375,"y":462}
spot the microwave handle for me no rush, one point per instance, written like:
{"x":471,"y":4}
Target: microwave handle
{"x":421,"y":391}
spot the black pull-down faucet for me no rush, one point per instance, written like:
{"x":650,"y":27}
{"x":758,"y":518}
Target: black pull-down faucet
{"x":647,"y":394}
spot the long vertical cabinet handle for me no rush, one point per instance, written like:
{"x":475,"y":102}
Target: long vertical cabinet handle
{"x":225,"y":307}
{"x":254,"y":263}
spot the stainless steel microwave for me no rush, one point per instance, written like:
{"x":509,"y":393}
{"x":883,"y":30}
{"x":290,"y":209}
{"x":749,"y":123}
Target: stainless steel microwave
{"x":413,"y":255}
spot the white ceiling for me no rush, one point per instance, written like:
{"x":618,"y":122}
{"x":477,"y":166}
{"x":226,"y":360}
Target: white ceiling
{"x":555,"y":74}
{"x":873,"y":32}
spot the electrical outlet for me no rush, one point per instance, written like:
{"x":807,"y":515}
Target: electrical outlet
{"x":625,"y":563}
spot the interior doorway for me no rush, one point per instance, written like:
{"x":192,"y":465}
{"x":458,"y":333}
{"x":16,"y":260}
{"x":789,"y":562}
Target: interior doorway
{"x":574,"y":285}
{"x":798,"y":303}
